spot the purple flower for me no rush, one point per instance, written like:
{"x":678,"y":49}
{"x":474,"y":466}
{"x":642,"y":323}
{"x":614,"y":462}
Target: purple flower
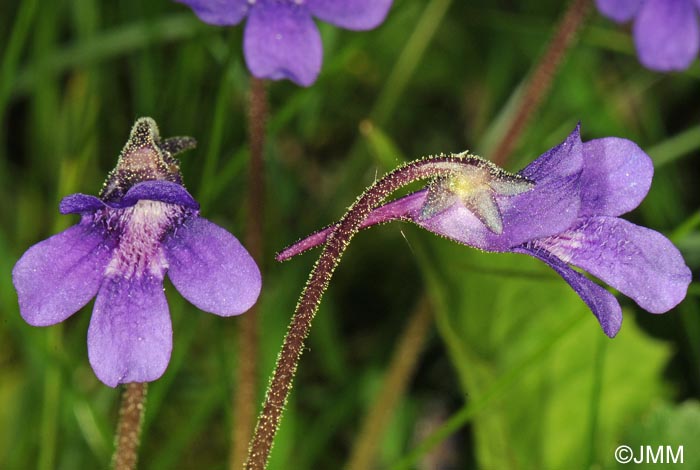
{"x":665,"y":31}
{"x":280,"y":38}
{"x":145,"y":224}
{"x":567,"y":216}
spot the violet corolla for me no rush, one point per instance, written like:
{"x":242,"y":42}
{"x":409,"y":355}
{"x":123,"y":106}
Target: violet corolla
{"x":144,"y":224}
{"x":281,"y":40}
{"x":563,"y":209}
{"x":666,"y":33}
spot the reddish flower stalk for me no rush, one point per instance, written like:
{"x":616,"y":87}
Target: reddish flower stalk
{"x":542,"y":77}
{"x":338,"y":241}
{"x":128,"y":437}
{"x":245,"y":397}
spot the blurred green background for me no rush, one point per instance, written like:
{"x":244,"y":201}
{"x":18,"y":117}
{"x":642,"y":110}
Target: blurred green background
{"x":514,"y":363}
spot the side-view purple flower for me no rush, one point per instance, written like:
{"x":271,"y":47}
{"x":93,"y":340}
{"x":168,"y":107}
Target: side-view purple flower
{"x":144,"y":224}
{"x":281,"y":40}
{"x":666,"y":32}
{"x":568,"y":215}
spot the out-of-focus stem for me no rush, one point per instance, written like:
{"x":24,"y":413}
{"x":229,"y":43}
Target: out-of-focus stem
{"x":245,"y":396}
{"x":399,"y":372}
{"x":288,"y":359}
{"x":542,"y":77}
{"x":51,"y":404}
{"x":128,"y":436}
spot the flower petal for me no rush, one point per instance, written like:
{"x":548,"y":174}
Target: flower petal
{"x":666,"y":34}
{"x":639,"y":262}
{"x":56,"y":277}
{"x":619,"y":10}
{"x":130,"y":335}
{"x":616,"y":176}
{"x":211,"y":268}
{"x":157,"y":190}
{"x":563,"y":161}
{"x":281,"y":41}
{"x":219,"y":12}
{"x":351,"y":14}
{"x":552,"y":205}
{"x":79,"y":203}
{"x":602,"y":303}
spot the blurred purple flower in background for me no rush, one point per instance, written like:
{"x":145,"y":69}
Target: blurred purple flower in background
{"x":666,"y":32}
{"x":569,"y":216}
{"x":281,"y":39}
{"x":144,"y":224}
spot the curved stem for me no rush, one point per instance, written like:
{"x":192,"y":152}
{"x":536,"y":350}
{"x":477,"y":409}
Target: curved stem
{"x":244,"y":401}
{"x":288,"y":359}
{"x":128,"y":436}
{"x":542,"y":77}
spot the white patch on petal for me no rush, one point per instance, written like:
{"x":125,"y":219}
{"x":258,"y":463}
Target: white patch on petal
{"x":141,"y":228}
{"x":563,"y":245}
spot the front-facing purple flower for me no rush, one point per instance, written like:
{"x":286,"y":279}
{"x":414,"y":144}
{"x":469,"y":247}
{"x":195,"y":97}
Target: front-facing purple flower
{"x":281,"y":39}
{"x":666,"y":32}
{"x":563,"y":210}
{"x":143,"y":226}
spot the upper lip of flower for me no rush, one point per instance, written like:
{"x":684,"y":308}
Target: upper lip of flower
{"x":155,"y":190}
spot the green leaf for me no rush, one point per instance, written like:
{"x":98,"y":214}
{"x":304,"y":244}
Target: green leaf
{"x":670,"y":426}
{"x":573,"y":404}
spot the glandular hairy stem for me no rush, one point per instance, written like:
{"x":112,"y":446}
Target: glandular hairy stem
{"x":245,"y":394}
{"x":128,"y":437}
{"x":300,"y":325}
{"x":542,"y":77}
